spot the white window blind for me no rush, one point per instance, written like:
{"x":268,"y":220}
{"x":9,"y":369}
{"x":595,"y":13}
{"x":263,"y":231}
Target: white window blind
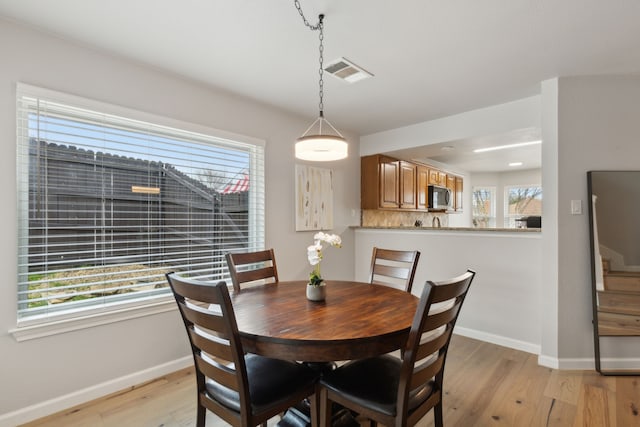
{"x":109,"y":203}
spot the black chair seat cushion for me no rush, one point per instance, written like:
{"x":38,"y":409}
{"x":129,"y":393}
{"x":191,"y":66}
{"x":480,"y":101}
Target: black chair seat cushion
{"x":270,"y":382}
{"x":373,"y":383}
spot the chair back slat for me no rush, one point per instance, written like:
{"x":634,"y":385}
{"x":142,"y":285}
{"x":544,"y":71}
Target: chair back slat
{"x":250,"y":267}
{"x":436,"y":320}
{"x":205,"y":319}
{"x":247,"y":276}
{"x":393,"y":268}
{"x":416,"y":415}
{"x":397,"y":256}
{"x":425,"y":352}
{"x":450,"y":289}
{"x":229,"y":416}
{"x":427,"y":348}
{"x":391,"y":271}
{"x":211,"y":346}
{"x":185,"y":289}
{"x":425,"y":373}
{"x":222,"y":374}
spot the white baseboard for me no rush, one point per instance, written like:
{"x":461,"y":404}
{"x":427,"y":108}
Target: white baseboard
{"x":582,"y":363}
{"x":606,"y":363}
{"x":78,"y":397}
{"x":498,"y":339}
{"x":548,"y":361}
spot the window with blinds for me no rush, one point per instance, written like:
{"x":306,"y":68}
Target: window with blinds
{"x":109,"y":203}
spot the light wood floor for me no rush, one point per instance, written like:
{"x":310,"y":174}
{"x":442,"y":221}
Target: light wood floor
{"x":485,"y":385}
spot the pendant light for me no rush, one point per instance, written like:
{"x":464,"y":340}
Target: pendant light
{"x":314,"y":145}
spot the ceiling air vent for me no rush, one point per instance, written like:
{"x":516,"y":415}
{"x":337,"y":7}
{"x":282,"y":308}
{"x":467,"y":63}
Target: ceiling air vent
{"x":346,"y":70}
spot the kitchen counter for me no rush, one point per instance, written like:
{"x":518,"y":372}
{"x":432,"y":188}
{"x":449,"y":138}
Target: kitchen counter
{"x":505,"y":300}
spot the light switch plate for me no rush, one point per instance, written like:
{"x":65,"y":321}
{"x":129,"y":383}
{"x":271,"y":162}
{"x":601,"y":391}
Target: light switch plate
{"x":576,"y":207}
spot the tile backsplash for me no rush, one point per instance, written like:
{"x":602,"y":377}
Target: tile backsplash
{"x":379,"y":218}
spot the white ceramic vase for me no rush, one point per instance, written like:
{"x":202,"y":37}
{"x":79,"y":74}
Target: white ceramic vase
{"x":316,"y":293}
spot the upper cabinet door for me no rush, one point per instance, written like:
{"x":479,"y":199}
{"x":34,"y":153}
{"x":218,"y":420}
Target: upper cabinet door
{"x":379,"y":181}
{"x":437,"y":178}
{"x":422,"y":183}
{"x":407,"y":185}
{"x":389,"y":184}
{"x":459,"y":193}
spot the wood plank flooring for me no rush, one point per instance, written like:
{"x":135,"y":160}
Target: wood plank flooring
{"x":485,"y":385}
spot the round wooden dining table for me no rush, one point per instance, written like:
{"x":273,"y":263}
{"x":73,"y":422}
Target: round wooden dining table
{"x":356,"y":320}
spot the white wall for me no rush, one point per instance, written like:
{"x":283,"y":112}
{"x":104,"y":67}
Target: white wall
{"x":549,"y":285}
{"x":32,"y":373}
{"x":493,"y":120}
{"x":503,"y":304}
{"x":598,"y":130}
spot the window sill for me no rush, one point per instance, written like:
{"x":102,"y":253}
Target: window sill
{"x":41,"y":330}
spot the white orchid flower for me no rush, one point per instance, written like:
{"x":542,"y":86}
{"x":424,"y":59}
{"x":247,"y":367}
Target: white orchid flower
{"x":332,"y":239}
{"x":314,"y":254}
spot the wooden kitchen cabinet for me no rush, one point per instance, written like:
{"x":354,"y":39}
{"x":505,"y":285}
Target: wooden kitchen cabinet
{"x":379,"y":182}
{"x":459,"y":193}
{"x":451,"y":183}
{"x":389,"y":183}
{"x":422,"y":190}
{"x":437,"y":177}
{"x":451,"y":186}
{"x":407,"y":190}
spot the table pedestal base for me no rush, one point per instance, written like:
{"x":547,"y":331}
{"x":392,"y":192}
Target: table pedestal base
{"x":299,"y":416}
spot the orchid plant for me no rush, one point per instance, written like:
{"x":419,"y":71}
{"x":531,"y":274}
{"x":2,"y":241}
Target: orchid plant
{"x":314,"y":254}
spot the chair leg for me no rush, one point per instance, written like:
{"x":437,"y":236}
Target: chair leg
{"x":324,"y":410}
{"x":437,"y":414}
{"x":201,"y":416}
{"x":314,"y":407}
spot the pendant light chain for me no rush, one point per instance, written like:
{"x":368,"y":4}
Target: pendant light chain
{"x":318,"y":27}
{"x":320,"y":146}
{"x":321,"y":71}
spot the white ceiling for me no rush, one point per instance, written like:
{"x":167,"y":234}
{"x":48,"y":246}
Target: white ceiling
{"x":430,"y":58}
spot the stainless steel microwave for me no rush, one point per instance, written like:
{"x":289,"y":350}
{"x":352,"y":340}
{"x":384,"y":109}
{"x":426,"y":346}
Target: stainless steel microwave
{"x":439,"y":198}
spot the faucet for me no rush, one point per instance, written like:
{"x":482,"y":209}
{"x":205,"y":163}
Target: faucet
{"x":435,"y":222}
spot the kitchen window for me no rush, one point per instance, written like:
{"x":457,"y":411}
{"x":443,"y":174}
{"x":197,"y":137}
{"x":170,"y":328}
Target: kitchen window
{"x":110,"y":199}
{"x":484,"y":207}
{"x":522,"y":202}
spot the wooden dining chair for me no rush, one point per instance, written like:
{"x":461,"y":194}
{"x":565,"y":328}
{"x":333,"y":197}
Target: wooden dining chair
{"x":400,"y":392}
{"x":242,"y":389}
{"x":393,"y":268}
{"x":249,"y":267}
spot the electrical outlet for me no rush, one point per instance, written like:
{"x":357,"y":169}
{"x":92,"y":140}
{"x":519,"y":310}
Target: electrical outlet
{"x":576,"y":207}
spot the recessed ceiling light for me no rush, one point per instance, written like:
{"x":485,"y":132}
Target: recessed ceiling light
{"x":502,"y":147}
{"x":514,"y":164}
{"x":448,"y":148}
